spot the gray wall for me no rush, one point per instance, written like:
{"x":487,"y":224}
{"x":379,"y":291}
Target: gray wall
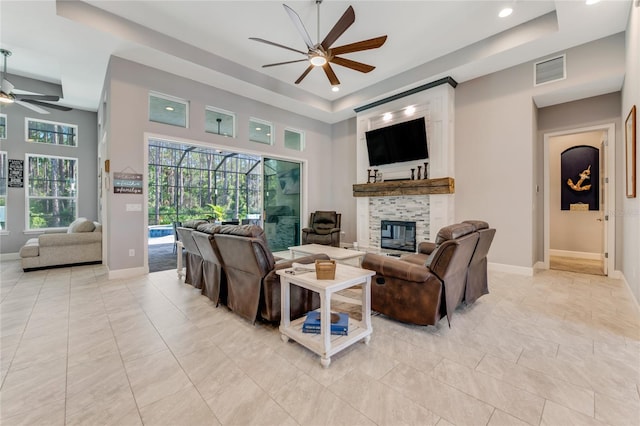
{"x":494,"y":160}
{"x":17,"y":147}
{"x":127,"y":111}
{"x":498,"y":164}
{"x":628,"y":211}
{"x":343,"y":135}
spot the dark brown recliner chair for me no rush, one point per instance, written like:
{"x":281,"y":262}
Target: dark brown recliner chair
{"x":253,"y":287}
{"x":324,"y":228}
{"x":420,"y":294}
{"x":477,"y":281}
{"x":476,"y":284}
{"x":193,"y":258}
{"x":214,"y":276}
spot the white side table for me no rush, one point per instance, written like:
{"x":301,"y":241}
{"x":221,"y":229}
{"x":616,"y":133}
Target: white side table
{"x":325,"y":344}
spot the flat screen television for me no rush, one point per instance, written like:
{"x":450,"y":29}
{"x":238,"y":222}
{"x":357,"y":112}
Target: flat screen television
{"x":397,"y":143}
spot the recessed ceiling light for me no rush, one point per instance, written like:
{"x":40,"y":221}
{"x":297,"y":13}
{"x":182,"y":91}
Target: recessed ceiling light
{"x":590,"y":2}
{"x":168,"y":108}
{"x":387,"y":116}
{"x":335,"y":88}
{"x":409,"y":110}
{"x":505,"y":12}
{"x":268,"y":134}
{"x":258,"y":129}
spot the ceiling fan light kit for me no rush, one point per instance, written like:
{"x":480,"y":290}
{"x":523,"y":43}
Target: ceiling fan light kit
{"x":6,"y":98}
{"x":322,"y":54}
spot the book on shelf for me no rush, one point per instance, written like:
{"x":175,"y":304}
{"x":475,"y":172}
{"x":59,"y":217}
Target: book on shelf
{"x":339,"y":327}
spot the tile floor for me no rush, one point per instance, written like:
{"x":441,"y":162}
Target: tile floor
{"x":554,"y":349}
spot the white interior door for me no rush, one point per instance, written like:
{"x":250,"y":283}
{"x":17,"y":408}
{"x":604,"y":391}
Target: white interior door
{"x":604,"y":201}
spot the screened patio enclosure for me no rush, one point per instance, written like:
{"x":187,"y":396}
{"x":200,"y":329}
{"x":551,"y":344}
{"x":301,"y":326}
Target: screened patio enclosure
{"x":195,"y":182}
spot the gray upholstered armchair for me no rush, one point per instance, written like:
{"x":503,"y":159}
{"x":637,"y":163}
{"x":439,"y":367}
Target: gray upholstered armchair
{"x":324,"y":228}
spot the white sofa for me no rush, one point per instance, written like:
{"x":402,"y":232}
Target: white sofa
{"x":81,"y":244}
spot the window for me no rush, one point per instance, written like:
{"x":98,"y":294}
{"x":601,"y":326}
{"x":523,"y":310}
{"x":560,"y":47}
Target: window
{"x":168,"y":110}
{"x":294,"y":139}
{"x":50,"y":132}
{"x":3,"y":190}
{"x":3,"y":126}
{"x":260,"y":131}
{"x":220,"y":122}
{"x":52,"y":191}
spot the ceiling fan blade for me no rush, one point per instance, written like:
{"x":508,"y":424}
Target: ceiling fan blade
{"x":333,"y":79}
{"x":372,"y":43}
{"x":284,"y":63}
{"x":44,"y":104}
{"x":354,"y":65}
{"x":297,"y":22}
{"x":51,"y":98}
{"x":261,"y":40}
{"x":6,"y":86}
{"x":304,"y":74}
{"x":33,"y":107}
{"x":345,"y":21}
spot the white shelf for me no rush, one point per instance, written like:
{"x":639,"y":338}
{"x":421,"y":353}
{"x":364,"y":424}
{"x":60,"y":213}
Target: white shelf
{"x":313,"y":341}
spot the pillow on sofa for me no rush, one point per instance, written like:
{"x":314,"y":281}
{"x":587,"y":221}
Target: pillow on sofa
{"x":81,"y":224}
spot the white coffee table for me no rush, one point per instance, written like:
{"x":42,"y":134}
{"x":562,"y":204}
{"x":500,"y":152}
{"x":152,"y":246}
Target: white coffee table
{"x":326,"y":344}
{"x":338,"y":254}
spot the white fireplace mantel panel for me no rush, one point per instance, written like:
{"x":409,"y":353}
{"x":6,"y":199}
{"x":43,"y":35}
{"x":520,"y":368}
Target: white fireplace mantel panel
{"x":436,"y":105}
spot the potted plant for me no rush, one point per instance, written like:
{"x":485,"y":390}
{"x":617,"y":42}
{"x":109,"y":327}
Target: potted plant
{"x":216,"y":214}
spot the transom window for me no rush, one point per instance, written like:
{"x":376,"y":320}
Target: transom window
{"x":3,"y":190}
{"x":51,"y":132}
{"x":52,"y":191}
{"x":220,"y":122}
{"x":168,"y":110}
{"x":294,"y":139}
{"x":3,"y":126}
{"x":260,"y":131}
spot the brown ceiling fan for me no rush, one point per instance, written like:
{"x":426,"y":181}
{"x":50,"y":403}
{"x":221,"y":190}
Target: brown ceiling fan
{"x":321,"y":54}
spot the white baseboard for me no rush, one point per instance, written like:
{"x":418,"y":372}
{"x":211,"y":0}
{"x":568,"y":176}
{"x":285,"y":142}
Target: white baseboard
{"x":626,"y":284}
{"x":511,"y":269}
{"x":576,"y":254}
{"x":128,"y":273}
{"x":617,"y":275}
{"x":9,"y":256}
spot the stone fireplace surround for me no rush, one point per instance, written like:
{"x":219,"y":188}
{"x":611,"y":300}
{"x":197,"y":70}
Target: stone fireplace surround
{"x":430,"y":212}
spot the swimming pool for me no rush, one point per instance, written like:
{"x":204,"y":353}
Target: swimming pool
{"x":157,"y":231}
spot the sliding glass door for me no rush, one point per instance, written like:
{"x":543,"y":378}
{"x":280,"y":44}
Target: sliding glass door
{"x":281,"y":203}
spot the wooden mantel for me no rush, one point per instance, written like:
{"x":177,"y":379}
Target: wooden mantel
{"x":405,"y":187}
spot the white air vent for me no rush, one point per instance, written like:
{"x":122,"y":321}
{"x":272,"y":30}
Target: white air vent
{"x":549,"y":70}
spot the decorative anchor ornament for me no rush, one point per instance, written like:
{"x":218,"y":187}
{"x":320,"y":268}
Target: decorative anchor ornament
{"x":585,"y":175}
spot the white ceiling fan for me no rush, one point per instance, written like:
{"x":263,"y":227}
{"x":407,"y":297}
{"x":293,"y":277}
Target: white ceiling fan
{"x":33,"y":102}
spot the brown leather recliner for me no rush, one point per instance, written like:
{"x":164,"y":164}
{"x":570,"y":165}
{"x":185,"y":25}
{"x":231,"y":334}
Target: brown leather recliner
{"x":477,"y":281}
{"x":253,"y":287}
{"x":421,"y":294}
{"x":324,"y":228}
{"x":193,"y":258}
{"x":214,"y":276}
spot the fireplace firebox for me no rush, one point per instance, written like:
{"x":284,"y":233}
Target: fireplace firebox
{"x":398,"y":235}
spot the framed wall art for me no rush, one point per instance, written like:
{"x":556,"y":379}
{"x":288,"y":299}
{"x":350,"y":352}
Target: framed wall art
{"x":630,"y":152}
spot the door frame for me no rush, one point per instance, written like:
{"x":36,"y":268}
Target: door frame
{"x":609,"y":192}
